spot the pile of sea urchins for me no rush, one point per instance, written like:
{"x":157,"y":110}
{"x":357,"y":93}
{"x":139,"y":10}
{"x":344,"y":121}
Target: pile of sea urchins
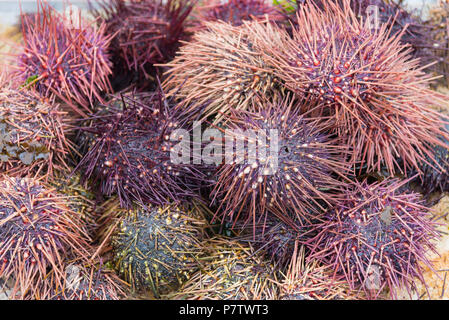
{"x":236,"y":149}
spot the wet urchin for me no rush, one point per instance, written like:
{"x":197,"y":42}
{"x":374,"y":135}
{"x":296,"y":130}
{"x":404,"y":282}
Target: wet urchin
{"x":219,"y":70}
{"x":132,"y":153}
{"x":377,"y":238}
{"x":60,"y":59}
{"x":37,"y":229}
{"x":147,"y":32}
{"x":157,"y":248}
{"x":235,"y":12}
{"x":231,"y":271}
{"x":289,"y":164}
{"x":32,"y":134}
{"x":377,"y":95}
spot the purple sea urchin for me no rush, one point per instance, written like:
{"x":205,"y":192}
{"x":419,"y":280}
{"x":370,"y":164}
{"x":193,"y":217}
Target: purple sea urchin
{"x":156,"y":248}
{"x":275,"y":239}
{"x":219,"y":70}
{"x":291,"y":166}
{"x":37,"y":230}
{"x":231,"y":271}
{"x":32,"y":134}
{"x":376,"y":94}
{"x":131,"y":156}
{"x":64,"y":60}
{"x":148,"y":32}
{"x":377,"y":238}
{"x":235,"y":12}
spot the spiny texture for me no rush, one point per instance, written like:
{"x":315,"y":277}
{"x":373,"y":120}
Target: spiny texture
{"x":435,"y":175}
{"x":377,"y":238}
{"x":37,"y":229}
{"x":219,"y":70}
{"x":231,"y":272}
{"x":438,"y":23}
{"x":80,"y":199}
{"x":377,"y":96}
{"x":131,"y":156}
{"x":156,"y":248}
{"x":32,"y":134}
{"x":86,"y":281}
{"x":310,"y":281}
{"x":235,"y":12}
{"x":275,"y":238}
{"x":288,"y":164}
{"x":147,"y":32}
{"x":63,"y":60}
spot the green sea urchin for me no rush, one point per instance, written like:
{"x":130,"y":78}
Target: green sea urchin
{"x":156,"y":248}
{"x":230,"y":271}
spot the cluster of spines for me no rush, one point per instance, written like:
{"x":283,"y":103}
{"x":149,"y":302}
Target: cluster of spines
{"x":131,"y":154}
{"x":376,"y":94}
{"x":217,"y":71}
{"x":235,"y":12}
{"x":37,"y":230}
{"x":64,"y":60}
{"x":157,"y":248}
{"x":285,"y":173}
{"x":377,"y":238}
{"x":231,"y":271}
{"x":33,"y":134}
{"x":146,"y":32}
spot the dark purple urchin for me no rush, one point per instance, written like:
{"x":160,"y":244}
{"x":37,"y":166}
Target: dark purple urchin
{"x":37,"y":230}
{"x":64,"y":60}
{"x":376,"y":94}
{"x":376,"y":238}
{"x":132,"y":154}
{"x":147,"y":32}
{"x":235,"y":12}
{"x":275,"y":238}
{"x":291,"y":164}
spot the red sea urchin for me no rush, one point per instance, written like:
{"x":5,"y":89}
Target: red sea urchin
{"x":290,"y":166}
{"x":148,"y":32}
{"x":377,"y":96}
{"x":63,"y":59}
{"x":219,"y":70}
{"x":37,"y":229}
{"x":132,"y":154}
{"x":376,"y":238}
{"x":235,"y":12}
{"x":32,"y":134}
